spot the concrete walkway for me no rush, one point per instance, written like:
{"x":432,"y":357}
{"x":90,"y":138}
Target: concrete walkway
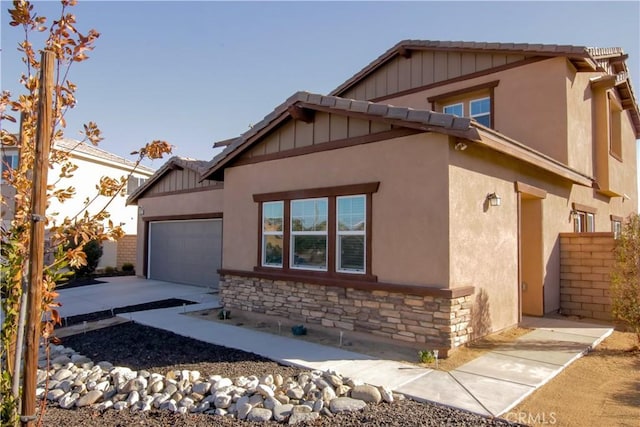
{"x":490,"y":385}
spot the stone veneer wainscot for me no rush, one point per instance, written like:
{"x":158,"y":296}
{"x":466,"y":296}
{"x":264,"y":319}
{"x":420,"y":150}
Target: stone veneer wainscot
{"x":439,"y":322}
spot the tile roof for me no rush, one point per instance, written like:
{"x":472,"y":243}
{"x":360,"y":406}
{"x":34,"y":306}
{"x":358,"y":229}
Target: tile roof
{"x":410,"y":117}
{"x":73,"y":145}
{"x":581,"y":54}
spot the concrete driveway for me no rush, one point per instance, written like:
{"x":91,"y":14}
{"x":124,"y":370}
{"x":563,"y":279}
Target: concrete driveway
{"x":125,"y":291}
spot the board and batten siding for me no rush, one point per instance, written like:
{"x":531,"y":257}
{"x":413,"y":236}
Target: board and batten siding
{"x":179,"y":180}
{"x":424,"y":68}
{"x":325,"y":127}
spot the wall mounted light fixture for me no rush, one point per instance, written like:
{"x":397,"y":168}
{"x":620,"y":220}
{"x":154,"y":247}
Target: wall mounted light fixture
{"x":140,"y":211}
{"x":460,"y":146}
{"x":494,"y":199}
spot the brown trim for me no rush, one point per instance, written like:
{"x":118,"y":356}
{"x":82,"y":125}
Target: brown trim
{"x":519,"y":284}
{"x":212,"y":215}
{"x":521,"y":187}
{"x":591,"y":234}
{"x":331,"y":145}
{"x":192,"y":190}
{"x":603,"y":82}
{"x":343,"y":190}
{"x":616,"y":218}
{"x":303,"y":114}
{"x":451,"y":94}
{"x":145,"y":250}
{"x":355,"y":284}
{"x":404,"y":52}
{"x":459,"y":79}
{"x":583,"y":208}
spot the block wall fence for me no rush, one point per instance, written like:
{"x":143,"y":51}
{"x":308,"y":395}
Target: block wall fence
{"x":585,"y":267}
{"x":126,"y":250}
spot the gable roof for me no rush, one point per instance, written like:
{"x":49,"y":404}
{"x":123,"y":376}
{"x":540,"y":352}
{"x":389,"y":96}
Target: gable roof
{"x":424,"y":120}
{"x":77,"y":147}
{"x":174,"y":163}
{"x":610,"y":60}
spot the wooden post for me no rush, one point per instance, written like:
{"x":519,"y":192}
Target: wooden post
{"x":36,"y":249}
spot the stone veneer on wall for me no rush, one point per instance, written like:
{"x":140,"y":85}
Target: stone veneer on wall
{"x":437,"y":322}
{"x":127,"y":250}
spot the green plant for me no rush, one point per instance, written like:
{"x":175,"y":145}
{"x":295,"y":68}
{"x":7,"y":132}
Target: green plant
{"x":625,"y":276}
{"x":224,"y":314}
{"x":109,"y":269}
{"x":127,"y":267}
{"x":426,"y":356}
{"x":93,"y":251}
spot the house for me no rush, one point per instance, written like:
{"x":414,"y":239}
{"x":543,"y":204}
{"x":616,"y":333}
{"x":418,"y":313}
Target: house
{"x":422,"y":199}
{"x":93,"y":163}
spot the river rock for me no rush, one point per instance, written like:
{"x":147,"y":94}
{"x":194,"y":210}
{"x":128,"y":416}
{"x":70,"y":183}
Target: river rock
{"x":201,"y":388}
{"x":366,"y":392}
{"x":89,"y":399}
{"x":259,"y":415}
{"x":303,"y":417}
{"x":282,"y":412}
{"x":346,"y":404}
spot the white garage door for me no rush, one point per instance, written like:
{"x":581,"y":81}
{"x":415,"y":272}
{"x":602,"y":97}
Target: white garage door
{"x":187,"y":251}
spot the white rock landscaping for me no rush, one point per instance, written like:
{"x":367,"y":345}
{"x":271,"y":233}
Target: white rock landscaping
{"x":73,"y":380}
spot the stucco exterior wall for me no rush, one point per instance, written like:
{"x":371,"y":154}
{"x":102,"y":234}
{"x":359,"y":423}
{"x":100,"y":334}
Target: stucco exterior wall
{"x":409,"y":214}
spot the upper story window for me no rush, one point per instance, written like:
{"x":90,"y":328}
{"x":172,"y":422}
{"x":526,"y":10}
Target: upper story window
{"x":133,"y":183}
{"x":9,"y":161}
{"x":616,"y":226}
{"x":584,"y":218}
{"x":476,"y":102}
{"x":323,"y":231}
{"x":455,"y":109}
{"x":480,"y":110}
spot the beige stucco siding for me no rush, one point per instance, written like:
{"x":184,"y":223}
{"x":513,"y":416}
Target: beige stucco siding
{"x":409,"y":214}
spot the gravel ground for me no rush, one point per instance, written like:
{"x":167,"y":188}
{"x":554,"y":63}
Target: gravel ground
{"x":140,"y":347}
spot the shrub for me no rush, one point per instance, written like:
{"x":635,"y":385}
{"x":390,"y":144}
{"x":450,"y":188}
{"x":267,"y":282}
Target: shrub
{"x":109,"y":269}
{"x":93,"y":251}
{"x":625,"y":276}
{"x":426,"y":356}
{"x":127,"y":267}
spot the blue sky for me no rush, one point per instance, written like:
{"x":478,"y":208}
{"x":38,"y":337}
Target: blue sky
{"x":193,"y":73}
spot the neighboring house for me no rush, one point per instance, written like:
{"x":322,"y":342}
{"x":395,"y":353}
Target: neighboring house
{"x":93,"y":163}
{"x":422,"y":200}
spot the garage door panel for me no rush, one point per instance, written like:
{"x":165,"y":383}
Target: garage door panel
{"x":186,"y":251}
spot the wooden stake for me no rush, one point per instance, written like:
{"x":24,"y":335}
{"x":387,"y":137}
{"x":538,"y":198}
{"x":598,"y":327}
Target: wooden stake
{"x":36,"y":249}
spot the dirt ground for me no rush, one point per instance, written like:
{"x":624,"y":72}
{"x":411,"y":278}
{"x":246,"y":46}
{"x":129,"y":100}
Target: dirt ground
{"x":363,"y":343}
{"x":599,"y":389}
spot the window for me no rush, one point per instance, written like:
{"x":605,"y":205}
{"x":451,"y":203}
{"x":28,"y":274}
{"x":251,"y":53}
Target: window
{"x":133,"y":183}
{"x":616,"y":226}
{"x":481,"y":111}
{"x":272,"y":223}
{"x":455,"y":109}
{"x":475,"y":102}
{"x":584,"y":218}
{"x":317,"y":232}
{"x":309,"y":234}
{"x":351,"y":233}
{"x":9,"y":161}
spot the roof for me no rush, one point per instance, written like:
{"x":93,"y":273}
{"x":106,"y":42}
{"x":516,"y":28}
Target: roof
{"x":78,"y":147}
{"x":581,"y":55}
{"x":611,"y":60}
{"x":424,"y":120}
{"x":176,"y":162}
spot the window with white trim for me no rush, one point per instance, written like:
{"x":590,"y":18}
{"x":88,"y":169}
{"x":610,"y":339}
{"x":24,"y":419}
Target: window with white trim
{"x":616,"y":228}
{"x":455,"y":109}
{"x":309,"y":234}
{"x":351,"y":233}
{"x":272,"y":233}
{"x":480,"y":110}
{"x":9,"y":162}
{"x":584,"y":222}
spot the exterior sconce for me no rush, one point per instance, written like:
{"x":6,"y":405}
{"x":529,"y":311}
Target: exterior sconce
{"x":140,"y":211}
{"x":574,"y":214}
{"x":494,"y":199}
{"x":460,"y":146}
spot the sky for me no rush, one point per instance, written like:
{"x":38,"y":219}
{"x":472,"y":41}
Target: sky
{"x":192,"y":73}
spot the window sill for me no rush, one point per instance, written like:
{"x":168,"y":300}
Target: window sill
{"x":300,"y":275}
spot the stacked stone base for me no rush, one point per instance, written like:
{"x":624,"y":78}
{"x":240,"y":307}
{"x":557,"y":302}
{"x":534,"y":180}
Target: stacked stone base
{"x":432,"y":322}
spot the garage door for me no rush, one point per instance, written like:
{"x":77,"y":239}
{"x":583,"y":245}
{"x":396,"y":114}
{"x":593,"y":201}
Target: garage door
{"x":185,"y":251}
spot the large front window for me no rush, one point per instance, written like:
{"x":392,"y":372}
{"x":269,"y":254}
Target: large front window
{"x":320,"y":232}
{"x":481,"y":111}
{"x":309,"y":234}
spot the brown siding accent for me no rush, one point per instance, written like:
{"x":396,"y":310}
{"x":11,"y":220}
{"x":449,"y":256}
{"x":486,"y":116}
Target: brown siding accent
{"x":616,"y":218}
{"x":488,"y":85}
{"x":193,"y":190}
{"x":443,"y":82}
{"x":355,"y":284}
{"x":585,"y":268}
{"x":344,"y":190}
{"x":521,"y":187}
{"x":333,"y":145}
{"x":584,"y":208}
{"x":179,"y":180}
{"x":212,"y":215}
